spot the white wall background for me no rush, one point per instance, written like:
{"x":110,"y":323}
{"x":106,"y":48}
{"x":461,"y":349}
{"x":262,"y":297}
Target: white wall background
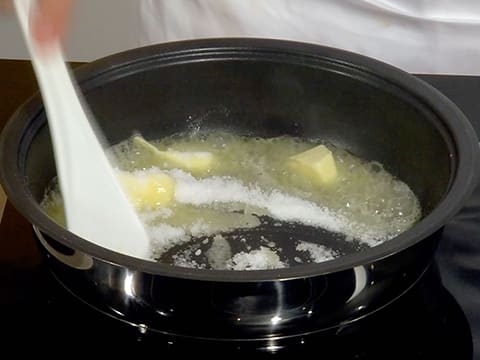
{"x":95,"y":30}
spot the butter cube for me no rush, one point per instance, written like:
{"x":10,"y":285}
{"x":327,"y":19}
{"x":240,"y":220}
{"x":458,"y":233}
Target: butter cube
{"x":317,"y":164}
{"x":193,"y":161}
{"x":147,"y":190}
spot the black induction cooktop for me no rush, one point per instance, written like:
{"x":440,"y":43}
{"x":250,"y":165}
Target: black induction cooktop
{"x":439,"y":318}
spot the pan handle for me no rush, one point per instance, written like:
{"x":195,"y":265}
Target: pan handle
{"x":73,"y":258}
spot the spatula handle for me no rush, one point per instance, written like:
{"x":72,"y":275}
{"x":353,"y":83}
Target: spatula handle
{"x":96,"y":207}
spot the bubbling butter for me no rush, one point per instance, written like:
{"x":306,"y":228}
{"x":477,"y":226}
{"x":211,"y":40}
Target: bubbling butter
{"x":195,"y":187}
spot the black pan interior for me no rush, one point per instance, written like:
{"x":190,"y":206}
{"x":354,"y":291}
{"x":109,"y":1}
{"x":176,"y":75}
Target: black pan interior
{"x":265,"y":96}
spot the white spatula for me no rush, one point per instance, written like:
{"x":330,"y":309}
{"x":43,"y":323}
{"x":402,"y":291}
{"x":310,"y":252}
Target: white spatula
{"x":96,"y":207}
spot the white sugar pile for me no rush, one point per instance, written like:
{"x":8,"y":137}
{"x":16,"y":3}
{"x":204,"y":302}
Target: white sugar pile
{"x":317,"y":252}
{"x":261,"y":259}
{"x":230,"y":195}
{"x":219,"y":253}
{"x":283,"y":207}
{"x":226,"y":190}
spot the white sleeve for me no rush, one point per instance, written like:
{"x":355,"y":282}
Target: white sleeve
{"x":422,"y":36}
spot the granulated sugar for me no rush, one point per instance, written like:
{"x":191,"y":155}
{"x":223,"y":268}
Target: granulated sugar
{"x":219,"y":253}
{"x":225,"y":190}
{"x":213,"y":191}
{"x":317,"y":252}
{"x":231,"y":195}
{"x":260,"y":259}
{"x":164,"y":237}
